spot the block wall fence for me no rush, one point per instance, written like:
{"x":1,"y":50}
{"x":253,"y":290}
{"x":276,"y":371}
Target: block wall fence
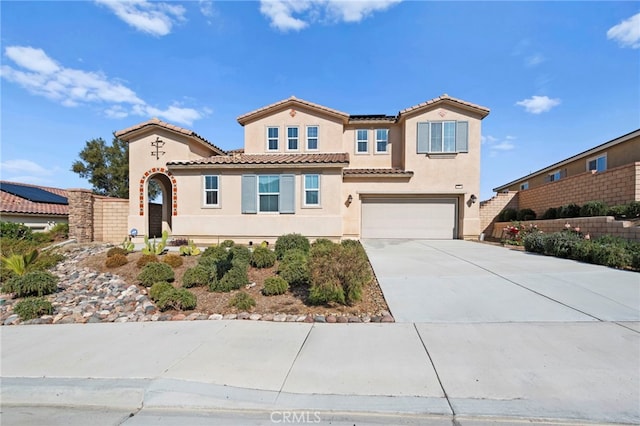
{"x":97,"y":218}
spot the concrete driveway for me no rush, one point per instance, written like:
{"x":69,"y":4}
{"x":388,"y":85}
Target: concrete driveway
{"x":468,"y":282}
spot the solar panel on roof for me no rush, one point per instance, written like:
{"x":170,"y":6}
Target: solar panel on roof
{"x":31,"y":193}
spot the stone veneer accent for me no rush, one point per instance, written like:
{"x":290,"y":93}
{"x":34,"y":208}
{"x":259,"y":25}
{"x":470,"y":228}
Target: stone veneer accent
{"x":80,"y":215}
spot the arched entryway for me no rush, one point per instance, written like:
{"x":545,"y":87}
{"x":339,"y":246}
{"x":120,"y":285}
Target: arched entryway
{"x":159,"y":211}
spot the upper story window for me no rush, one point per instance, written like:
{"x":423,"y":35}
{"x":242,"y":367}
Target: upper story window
{"x":555,"y":176}
{"x":211,"y":191}
{"x":598,"y":164}
{"x":443,"y":137}
{"x":272,"y":138}
{"x":362,"y":141}
{"x":312,"y":138}
{"x":382,"y":140}
{"x":311,"y":190}
{"x":524,"y":186}
{"x":292,"y":138}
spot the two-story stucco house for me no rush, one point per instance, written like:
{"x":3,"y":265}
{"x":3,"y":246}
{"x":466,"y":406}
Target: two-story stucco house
{"x":313,"y":170}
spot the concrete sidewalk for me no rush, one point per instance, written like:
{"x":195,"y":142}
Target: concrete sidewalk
{"x":379,"y":373}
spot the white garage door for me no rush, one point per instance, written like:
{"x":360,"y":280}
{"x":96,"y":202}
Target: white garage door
{"x":427,"y":218}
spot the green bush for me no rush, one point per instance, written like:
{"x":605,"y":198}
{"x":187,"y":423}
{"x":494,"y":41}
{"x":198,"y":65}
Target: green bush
{"x":116,"y":250}
{"x":35,"y":283}
{"x":227,"y":244}
{"x":274,"y":286}
{"x":240,"y":255}
{"x":16,"y":231}
{"x":593,"y":208}
{"x":145,"y":259}
{"x":583,"y":251}
{"x":632,"y":210}
{"x":173,"y":260}
{"x":507,"y":215}
{"x":339,"y":274}
{"x":215,"y":252}
{"x":550,"y":213}
{"x":242,"y":301}
{"x":33,"y":307}
{"x":198,"y":276}
{"x":289,"y":242}
{"x":177,"y":298}
{"x":115,"y":260}
{"x":154,"y":272}
{"x":157,"y":289}
{"x":612,"y":255}
{"x":568,"y":211}
{"x":618,"y":211}
{"x":561,"y":244}
{"x":526,"y":214}
{"x":294,"y":268}
{"x":534,"y":242}
{"x":262,"y":257}
{"x":235,"y":278}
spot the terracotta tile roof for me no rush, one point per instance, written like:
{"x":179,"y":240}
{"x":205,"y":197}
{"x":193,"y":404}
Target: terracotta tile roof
{"x":267,"y":159}
{"x":373,"y":117}
{"x":156,"y":122}
{"x":10,"y":203}
{"x":395,"y":171}
{"x":484,"y":111}
{"x":236,"y":151}
{"x":244,"y":118}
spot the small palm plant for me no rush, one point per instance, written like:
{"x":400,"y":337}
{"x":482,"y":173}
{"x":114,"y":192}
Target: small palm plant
{"x":19,"y":264}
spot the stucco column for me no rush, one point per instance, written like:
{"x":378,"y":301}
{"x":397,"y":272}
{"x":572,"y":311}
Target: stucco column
{"x":80,"y":215}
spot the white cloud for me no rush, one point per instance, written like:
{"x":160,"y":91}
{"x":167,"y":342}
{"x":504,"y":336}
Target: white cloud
{"x":25,"y":167}
{"x":535,"y":59}
{"x":497,"y":145}
{"x":43,"y":76}
{"x":154,"y":18}
{"x":281,"y":12}
{"x":627,"y":32}
{"x":538,"y":104}
{"x":206,"y":8}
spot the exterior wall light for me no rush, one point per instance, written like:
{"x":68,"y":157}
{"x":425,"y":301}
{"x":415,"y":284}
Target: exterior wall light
{"x":473,"y":198}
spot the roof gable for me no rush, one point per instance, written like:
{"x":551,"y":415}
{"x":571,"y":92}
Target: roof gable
{"x":148,"y":126}
{"x":289,"y":103}
{"x":444,"y":100}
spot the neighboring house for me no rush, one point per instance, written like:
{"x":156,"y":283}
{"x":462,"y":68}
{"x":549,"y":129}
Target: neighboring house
{"x":313,"y":170}
{"x":38,"y":207}
{"x":609,"y":172}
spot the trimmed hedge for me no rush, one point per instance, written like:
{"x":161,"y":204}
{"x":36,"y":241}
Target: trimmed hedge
{"x":177,"y":298}
{"x":262,"y":257}
{"x":274,"y":286}
{"x":199,"y":275}
{"x":294,"y":267}
{"x":288,"y":242}
{"x":154,"y":272}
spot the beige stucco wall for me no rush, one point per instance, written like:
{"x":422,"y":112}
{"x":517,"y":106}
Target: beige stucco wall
{"x":370,"y":159}
{"x":227,"y":221}
{"x":329,"y":131}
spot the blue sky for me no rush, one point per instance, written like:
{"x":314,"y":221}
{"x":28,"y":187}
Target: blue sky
{"x":559,"y":77}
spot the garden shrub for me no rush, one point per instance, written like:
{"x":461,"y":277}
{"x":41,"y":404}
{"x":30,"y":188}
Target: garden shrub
{"x":568,"y":211}
{"x":618,"y":211}
{"x":227,"y":244}
{"x":612,"y":255}
{"x":199,"y":275}
{"x":339,"y":275}
{"x":561,"y":244}
{"x":262,"y":257}
{"x":526,"y":214}
{"x":145,"y":259}
{"x":240,"y":255}
{"x":33,"y":307}
{"x":321,"y":244}
{"x":177,"y":298}
{"x":550,"y":213}
{"x":15,"y":231}
{"x":274,"y":286}
{"x":35,"y":283}
{"x":235,"y":278}
{"x":583,"y":251}
{"x":116,"y":250}
{"x":534,"y":242}
{"x":158,"y":288}
{"x":507,"y":215}
{"x":115,"y":260}
{"x":154,"y":272}
{"x":294,"y":268}
{"x":289,"y":242}
{"x":173,"y":260}
{"x":593,"y":208}
{"x":242,"y":301}
{"x":632,"y":210}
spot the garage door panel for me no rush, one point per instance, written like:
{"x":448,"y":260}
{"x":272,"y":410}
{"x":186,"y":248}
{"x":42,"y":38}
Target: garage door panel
{"x":409,"y":218}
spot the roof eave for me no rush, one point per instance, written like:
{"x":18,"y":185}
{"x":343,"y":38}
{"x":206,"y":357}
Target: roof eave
{"x":256,"y":166}
{"x":131,"y":134}
{"x":265,"y":111}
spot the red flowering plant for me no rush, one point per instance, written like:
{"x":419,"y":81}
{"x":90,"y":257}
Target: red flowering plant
{"x":514,"y":233}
